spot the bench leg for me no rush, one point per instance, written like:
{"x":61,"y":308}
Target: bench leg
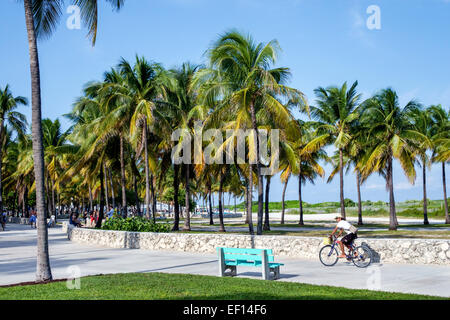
{"x":265,"y":266}
{"x":276,"y":272}
{"x":233,"y":271}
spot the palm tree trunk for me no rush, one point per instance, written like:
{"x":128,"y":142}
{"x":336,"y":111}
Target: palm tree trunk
{"x":259,"y":228}
{"x":113,"y":195}
{"x":106,"y":186}
{"x":250,"y":200}
{"x":152,"y":193}
{"x":425,"y":205}
{"x":341,"y":182}
{"x":246,"y":200}
{"x":43,"y":272}
{"x":176,"y":205}
{"x":266,"y":205}
{"x":444,"y":185}
{"x":358,"y":188}
{"x":91,"y":206}
{"x":102,"y":200}
{"x":283,"y":195}
{"x":147,"y":177}
{"x":300,"y":200}
{"x":1,"y":162}
{"x":211,"y":220}
{"x":136,"y":195}
{"x":122,"y":178}
{"x":392,"y":214}
{"x":53,"y":198}
{"x":187,"y":219}
{"x":221,"y":180}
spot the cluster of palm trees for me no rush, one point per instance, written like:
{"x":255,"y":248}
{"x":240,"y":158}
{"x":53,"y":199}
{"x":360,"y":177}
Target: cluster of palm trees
{"x":120,"y":145}
{"x":122,"y":129}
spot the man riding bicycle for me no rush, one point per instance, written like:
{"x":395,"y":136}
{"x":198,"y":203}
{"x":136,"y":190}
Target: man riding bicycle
{"x":348,"y":239}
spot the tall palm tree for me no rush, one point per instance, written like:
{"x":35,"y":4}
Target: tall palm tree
{"x":421,"y":134}
{"x":387,"y":124}
{"x":240,"y":74}
{"x":441,"y":144}
{"x":55,"y":150}
{"x":41,"y":18}
{"x":335,"y":111}
{"x":308,"y":160}
{"x":15,"y":120}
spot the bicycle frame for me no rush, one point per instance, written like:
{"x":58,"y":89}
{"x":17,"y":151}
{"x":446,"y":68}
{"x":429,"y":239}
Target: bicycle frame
{"x":351,"y":249}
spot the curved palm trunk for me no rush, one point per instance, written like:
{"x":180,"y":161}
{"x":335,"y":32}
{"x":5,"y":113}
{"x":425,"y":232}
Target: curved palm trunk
{"x":211,"y":220}
{"x":122,"y":178}
{"x":444,"y":185}
{"x":176,"y":185}
{"x":266,"y":205}
{"x":358,"y":188}
{"x":283,"y":196}
{"x":425,"y":205}
{"x":98,"y":225}
{"x":390,"y":182}
{"x":152,"y":193}
{"x":43,"y":272}
{"x":147,"y":169}
{"x":250,"y":201}
{"x":221,"y":227}
{"x":187,"y":219}
{"x":259,"y":228}
{"x":341,"y":182}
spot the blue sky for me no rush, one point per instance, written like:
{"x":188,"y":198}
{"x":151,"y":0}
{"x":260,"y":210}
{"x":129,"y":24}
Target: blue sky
{"x":323,"y":42}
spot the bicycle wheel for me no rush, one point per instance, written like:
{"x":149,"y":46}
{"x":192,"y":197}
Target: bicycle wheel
{"x":362,"y":257}
{"x":328,"y":255}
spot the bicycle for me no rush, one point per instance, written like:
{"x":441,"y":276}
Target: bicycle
{"x":361,"y":256}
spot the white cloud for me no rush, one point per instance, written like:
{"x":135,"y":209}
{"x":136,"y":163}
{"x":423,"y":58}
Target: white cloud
{"x":374,"y":186}
{"x":403,"y":186}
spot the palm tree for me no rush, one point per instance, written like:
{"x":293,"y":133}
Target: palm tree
{"x":15,"y":120}
{"x":387,"y":124}
{"x":308,"y":161}
{"x":55,"y":150}
{"x":421,"y":134}
{"x":240,"y":75}
{"x":441,"y":144}
{"x":41,"y":19}
{"x":335,"y":111}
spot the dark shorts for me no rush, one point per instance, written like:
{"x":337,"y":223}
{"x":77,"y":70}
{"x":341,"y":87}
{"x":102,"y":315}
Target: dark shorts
{"x":348,"y":239}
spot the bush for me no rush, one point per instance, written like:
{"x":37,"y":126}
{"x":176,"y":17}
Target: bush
{"x":137,"y":224}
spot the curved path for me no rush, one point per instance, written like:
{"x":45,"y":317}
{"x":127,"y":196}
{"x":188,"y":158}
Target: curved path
{"x":18,"y":264}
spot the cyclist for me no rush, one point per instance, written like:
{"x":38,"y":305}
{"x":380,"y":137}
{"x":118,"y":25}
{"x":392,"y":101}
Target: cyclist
{"x":348,"y":239}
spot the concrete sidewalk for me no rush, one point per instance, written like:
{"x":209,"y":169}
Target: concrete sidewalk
{"x":18,"y":264}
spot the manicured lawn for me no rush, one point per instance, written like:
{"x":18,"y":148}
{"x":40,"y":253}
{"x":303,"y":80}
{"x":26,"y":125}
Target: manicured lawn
{"x":182,"y":286}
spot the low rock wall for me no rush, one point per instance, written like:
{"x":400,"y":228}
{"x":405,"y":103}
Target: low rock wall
{"x":413,"y":251}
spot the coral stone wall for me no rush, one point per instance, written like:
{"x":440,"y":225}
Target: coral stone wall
{"x":415,"y":251}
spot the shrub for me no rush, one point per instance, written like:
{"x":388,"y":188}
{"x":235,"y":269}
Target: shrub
{"x":137,"y":224}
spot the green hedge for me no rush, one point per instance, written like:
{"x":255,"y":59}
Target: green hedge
{"x":137,"y":224}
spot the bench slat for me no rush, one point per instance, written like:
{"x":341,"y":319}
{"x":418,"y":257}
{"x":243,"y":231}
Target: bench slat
{"x":250,"y":257}
{"x":245,"y":250}
{"x":246,"y":263}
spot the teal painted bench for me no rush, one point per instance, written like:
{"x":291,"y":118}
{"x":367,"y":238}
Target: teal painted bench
{"x":230,"y":258}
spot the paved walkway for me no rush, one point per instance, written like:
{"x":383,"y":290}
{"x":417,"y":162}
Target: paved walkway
{"x":18,"y":264}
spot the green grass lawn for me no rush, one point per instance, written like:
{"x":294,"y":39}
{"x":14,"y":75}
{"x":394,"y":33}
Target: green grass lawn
{"x":141,"y":286}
